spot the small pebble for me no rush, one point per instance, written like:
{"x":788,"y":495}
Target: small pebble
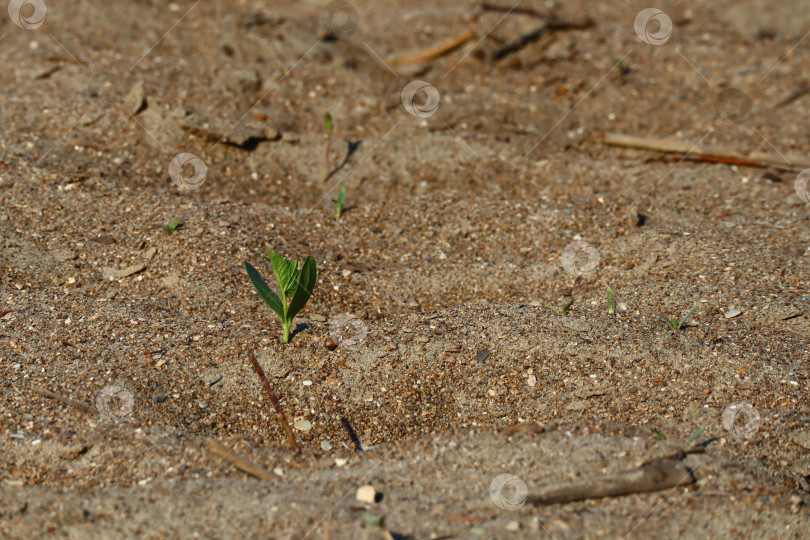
{"x":732,"y":312}
{"x":422,"y":339}
{"x":203,"y":405}
{"x":326,"y":445}
{"x":158,"y":397}
{"x":513,"y":526}
{"x":367,"y":494}
{"x":307,"y":383}
{"x":532,"y":380}
{"x":341,"y":462}
{"x":483,"y":355}
{"x":317,"y":318}
{"x":303,"y":425}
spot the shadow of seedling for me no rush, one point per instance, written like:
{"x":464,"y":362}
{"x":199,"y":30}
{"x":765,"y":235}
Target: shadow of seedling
{"x":351,"y":148}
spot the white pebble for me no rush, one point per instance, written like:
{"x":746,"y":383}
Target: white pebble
{"x":367,"y":494}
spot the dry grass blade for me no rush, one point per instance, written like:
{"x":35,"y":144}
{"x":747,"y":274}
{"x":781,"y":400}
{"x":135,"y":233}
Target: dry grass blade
{"x":709,"y":153}
{"x":240,"y":462}
{"x":66,"y":400}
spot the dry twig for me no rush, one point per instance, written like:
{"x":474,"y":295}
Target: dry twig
{"x":274,"y":400}
{"x":656,"y":476}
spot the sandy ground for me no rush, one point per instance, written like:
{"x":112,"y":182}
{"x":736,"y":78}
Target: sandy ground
{"x":473,"y":207}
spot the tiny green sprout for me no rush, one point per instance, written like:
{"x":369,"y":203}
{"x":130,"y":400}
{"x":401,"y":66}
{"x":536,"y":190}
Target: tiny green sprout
{"x":374,"y":521}
{"x":292,"y":282}
{"x":565,"y":309}
{"x":611,"y":300}
{"x":377,"y":523}
{"x":171,"y":227}
{"x":674,"y":322}
{"x":695,"y":435}
{"x":340,"y":202}
{"x":658,"y":435}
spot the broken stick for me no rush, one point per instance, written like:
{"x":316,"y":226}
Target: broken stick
{"x":653,"y":477}
{"x":241,"y":463}
{"x":709,"y":153}
{"x":274,"y":400}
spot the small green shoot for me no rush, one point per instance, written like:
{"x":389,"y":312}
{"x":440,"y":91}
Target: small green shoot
{"x":658,"y":435}
{"x":340,"y":202}
{"x":171,"y":227}
{"x":674,"y":322}
{"x":292,"y":282}
{"x":377,"y":523}
{"x":329,"y":126}
{"x":611,"y":300}
{"x":695,"y":435}
{"x":565,"y":309}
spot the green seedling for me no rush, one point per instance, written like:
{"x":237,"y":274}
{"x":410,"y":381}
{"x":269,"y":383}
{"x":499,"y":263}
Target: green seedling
{"x":674,"y":322}
{"x":329,"y":126}
{"x":611,"y":300}
{"x":565,"y":309}
{"x":171,"y":227}
{"x":340,"y":202}
{"x":292,"y":282}
{"x":695,"y":435}
{"x":377,"y":523}
{"x":658,"y":435}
